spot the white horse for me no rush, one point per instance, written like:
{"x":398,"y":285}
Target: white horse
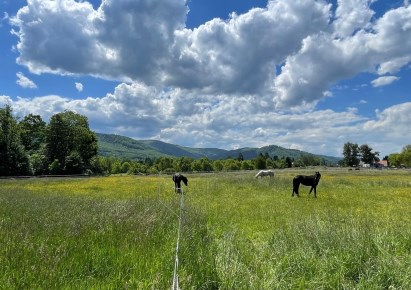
{"x":263,"y":173}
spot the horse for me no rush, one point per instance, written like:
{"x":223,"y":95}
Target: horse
{"x":177,"y":178}
{"x":263,"y":173}
{"x":311,"y":180}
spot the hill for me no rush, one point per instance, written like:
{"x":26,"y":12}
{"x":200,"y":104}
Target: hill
{"x":129,"y":148}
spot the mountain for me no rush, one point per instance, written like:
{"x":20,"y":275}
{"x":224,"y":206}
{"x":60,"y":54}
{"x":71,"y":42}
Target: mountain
{"x":129,"y":148}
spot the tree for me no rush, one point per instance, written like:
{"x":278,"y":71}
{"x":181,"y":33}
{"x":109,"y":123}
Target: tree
{"x":206,"y":164}
{"x":231,"y":164}
{"x":240,"y":157}
{"x":32,"y":132}
{"x":218,"y":165}
{"x":70,"y":144}
{"x":260,"y":162}
{"x":367,"y":154}
{"x":350,"y":154}
{"x":183,"y":164}
{"x":13,"y":158}
{"x":164,"y":163}
{"x":247,"y":165}
{"x":401,"y":159}
{"x":289,"y":161}
{"x":406,"y":156}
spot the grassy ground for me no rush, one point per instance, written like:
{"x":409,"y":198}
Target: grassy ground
{"x":237,"y":232}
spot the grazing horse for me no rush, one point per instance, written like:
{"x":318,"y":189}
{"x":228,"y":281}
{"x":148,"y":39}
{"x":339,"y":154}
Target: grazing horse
{"x":311,"y":180}
{"x":263,"y":173}
{"x":177,"y":178}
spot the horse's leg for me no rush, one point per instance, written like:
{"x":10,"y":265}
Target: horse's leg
{"x":315,"y":190}
{"x":311,"y":190}
{"x":296,"y":185}
{"x":178,"y":186}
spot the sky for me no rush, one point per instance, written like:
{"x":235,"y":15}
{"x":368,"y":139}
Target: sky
{"x":304,"y":74}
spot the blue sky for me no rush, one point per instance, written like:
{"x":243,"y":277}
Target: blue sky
{"x":304,"y":74}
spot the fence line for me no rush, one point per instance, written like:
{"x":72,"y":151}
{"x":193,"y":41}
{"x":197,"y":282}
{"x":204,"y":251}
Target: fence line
{"x":175,"y":275}
{"x":179,"y":215}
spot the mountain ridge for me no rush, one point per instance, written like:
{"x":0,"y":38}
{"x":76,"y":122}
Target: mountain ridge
{"x":129,"y":148}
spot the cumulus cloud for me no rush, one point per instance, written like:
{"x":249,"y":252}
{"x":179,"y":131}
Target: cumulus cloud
{"x":79,"y":87}
{"x":351,"y":16}
{"x":24,"y":81}
{"x":255,"y":77}
{"x":291,"y":51}
{"x":120,"y":40}
{"x":145,"y":112}
{"x":384,"y":81}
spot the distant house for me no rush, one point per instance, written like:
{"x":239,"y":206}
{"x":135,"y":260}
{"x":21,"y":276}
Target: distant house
{"x":381,"y":163}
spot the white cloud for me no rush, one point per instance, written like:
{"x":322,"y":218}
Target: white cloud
{"x":173,"y":116}
{"x":4,"y":18}
{"x":351,"y":16}
{"x":24,"y":81}
{"x":384,"y":81}
{"x":135,"y":41}
{"x":120,"y":40}
{"x":79,"y":87}
{"x":253,"y":79}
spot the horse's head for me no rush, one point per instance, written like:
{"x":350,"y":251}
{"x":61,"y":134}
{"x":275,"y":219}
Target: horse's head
{"x":317,"y":177}
{"x":184,"y":179}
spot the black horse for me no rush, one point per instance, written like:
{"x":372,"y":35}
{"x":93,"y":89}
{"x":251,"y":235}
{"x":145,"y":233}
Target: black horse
{"x":311,"y":180}
{"x":177,"y":178}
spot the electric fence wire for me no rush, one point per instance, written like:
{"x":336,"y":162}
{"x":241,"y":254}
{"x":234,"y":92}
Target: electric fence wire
{"x":175,"y":285}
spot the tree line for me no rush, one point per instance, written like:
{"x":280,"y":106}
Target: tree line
{"x":30,"y":146}
{"x":353,"y":154}
{"x":115,"y":165}
{"x":66,"y":145}
{"x":402,"y":159}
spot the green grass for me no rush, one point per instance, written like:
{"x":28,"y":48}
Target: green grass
{"x":237,"y":232}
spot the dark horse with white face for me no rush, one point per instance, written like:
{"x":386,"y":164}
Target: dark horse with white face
{"x":311,"y":180}
{"x":177,"y":178}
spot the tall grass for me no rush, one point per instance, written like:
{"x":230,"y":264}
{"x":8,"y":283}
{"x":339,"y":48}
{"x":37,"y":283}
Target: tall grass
{"x":237,"y":232}
{"x":67,"y":237}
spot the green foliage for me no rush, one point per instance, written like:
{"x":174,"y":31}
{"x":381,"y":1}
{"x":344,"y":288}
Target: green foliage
{"x":70,"y":142}
{"x":351,"y":153}
{"x":367,"y":155}
{"x":260,"y":162}
{"x":32,"y":132}
{"x":308,"y":160}
{"x":402,"y":159}
{"x":13,"y":158}
{"x":32,"y":147}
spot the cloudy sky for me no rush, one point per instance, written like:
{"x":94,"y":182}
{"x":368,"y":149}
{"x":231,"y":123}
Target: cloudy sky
{"x":303,"y":74}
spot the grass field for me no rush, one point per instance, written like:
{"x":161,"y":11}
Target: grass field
{"x":120,"y":232}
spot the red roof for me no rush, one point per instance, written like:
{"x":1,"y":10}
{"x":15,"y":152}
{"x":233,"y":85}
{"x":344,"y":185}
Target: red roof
{"x":383,"y":162}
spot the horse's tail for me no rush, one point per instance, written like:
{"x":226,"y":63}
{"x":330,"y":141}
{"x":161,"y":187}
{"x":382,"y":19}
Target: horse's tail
{"x":296,"y":181}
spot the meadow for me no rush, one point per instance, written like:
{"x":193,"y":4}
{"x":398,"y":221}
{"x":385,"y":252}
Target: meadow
{"x":120,"y":232}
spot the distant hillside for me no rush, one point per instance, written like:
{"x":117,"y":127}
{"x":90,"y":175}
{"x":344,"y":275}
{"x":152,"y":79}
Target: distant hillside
{"x":128,"y":148}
